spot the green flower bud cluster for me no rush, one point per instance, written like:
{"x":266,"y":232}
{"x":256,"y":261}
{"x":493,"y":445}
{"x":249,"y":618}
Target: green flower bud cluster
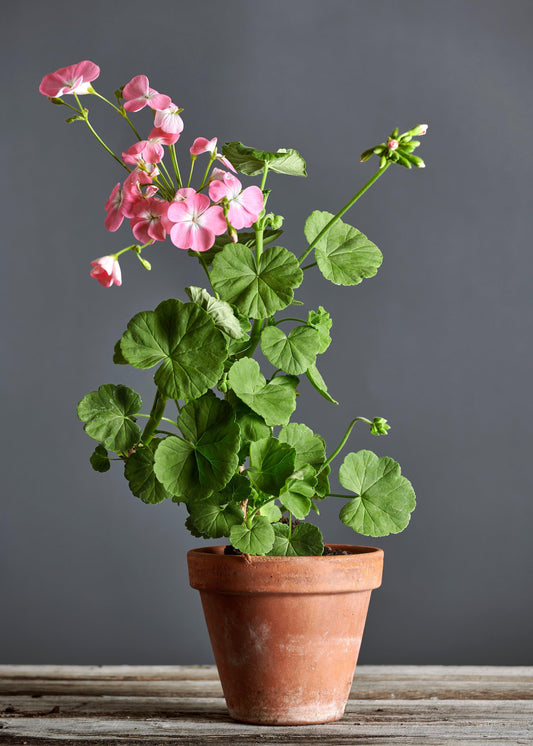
{"x":379,"y":426}
{"x":399,"y":148}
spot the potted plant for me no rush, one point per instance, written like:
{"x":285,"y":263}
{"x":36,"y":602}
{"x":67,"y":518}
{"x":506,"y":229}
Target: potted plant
{"x":219,"y":437}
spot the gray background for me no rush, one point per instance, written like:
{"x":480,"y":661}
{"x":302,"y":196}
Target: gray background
{"x":439,"y":342}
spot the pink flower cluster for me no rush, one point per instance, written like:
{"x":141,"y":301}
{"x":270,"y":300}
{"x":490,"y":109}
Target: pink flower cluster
{"x":191,"y":218}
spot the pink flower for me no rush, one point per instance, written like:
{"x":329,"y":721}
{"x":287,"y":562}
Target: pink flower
{"x":180,"y":196}
{"x":196,"y":223}
{"x":146,"y":223}
{"x":169,"y":120}
{"x":144,"y":151}
{"x":133,"y":192}
{"x":137,"y":94}
{"x":113,"y":206}
{"x":203,"y":145}
{"x":165,"y":138}
{"x":392,"y":144}
{"x":107,"y":271}
{"x":73,"y":79}
{"x":244,"y":206}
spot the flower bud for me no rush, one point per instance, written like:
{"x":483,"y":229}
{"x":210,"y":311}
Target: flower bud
{"x":392,"y":144}
{"x":420,"y":129}
{"x":379,"y":426}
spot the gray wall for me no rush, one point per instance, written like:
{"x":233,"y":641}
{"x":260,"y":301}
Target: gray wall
{"x":439,"y":342}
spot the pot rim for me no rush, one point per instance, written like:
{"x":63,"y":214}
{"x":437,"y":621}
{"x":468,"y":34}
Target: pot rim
{"x":211,"y":570}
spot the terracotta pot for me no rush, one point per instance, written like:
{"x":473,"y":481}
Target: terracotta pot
{"x":285,"y":631}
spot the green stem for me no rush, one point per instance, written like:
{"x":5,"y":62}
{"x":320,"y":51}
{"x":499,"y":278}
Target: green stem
{"x":204,"y":180}
{"x":174,"y":158}
{"x":344,"y":209}
{"x":343,"y":441}
{"x":120,"y":110}
{"x":263,"y":180}
{"x":290,"y":318}
{"x":163,"y":419}
{"x":85,"y":116}
{"x":206,"y":270}
{"x":155,"y":417}
{"x":308,"y":266}
{"x":168,"y":176}
{"x":255,"y":336}
{"x":193,"y":160}
{"x":337,"y":494}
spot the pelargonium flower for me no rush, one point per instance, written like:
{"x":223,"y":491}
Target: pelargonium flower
{"x":158,"y":134}
{"x":107,"y":271}
{"x":180,"y":196}
{"x":244,"y":205}
{"x":196,"y":222}
{"x":115,"y":216}
{"x":132,"y":191}
{"x":137,"y":94}
{"x":146,"y":223}
{"x":203,"y":145}
{"x":72,"y":79}
{"x":169,"y":120}
{"x":144,"y":151}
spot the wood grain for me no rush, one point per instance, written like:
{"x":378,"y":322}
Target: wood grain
{"x":183,"y":705}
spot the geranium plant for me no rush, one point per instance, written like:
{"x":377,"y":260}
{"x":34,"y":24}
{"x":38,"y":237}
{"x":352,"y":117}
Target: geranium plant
{"x":219,"y":436}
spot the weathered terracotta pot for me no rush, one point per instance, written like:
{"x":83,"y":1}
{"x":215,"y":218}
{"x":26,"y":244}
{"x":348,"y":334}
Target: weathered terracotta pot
{"x":286,"y":631}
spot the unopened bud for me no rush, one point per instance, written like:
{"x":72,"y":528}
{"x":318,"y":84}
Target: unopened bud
{"x":379,"y":426}
{"x":392,"y":144}
{"x":420,"y":129}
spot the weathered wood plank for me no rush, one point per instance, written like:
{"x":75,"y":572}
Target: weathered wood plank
{"x":371,"y":682}
{"x":183,"y":706}
{"x":456,"y":725}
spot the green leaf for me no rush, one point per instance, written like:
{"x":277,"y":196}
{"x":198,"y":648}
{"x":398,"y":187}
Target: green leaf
{"x":108,"y":416}
{"x":99,"y":459}
{"x":220,"y":311}
{"x":139,"y":471}
{"x":183,"y":337}
{"x":310,"y":448}
{"x":318,"y":383}
{"x":213,"y":518}
{"x":250,"y":161}
{"x":245,"y":238}
{"x":293,"y":353}
{"x":259,"y":539}
{"x":270,"y":511}
{"x":118,"y":357}
{"x":321,"y":321}
{"x":298,"y":490}
{"x":305,"y":541}
{"x":271,"y":463}
{"x":237,"y":490}
{"x":385,"y":498}
{"x":205,"y":460}
{"x":258,"y":287}
{"x":344,"y":255}
{"x":274,"y":401}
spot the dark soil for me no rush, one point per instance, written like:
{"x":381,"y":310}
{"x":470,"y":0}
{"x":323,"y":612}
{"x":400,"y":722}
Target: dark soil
{"x":328,"y":551}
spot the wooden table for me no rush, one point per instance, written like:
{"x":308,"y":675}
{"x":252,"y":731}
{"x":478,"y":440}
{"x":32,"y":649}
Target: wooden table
{"x":181,"y":705}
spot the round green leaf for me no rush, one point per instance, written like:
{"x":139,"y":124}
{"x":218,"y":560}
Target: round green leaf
{"x":206,"y":458}
{"x":385,"y":498}
{"x":321,"y":321}
{"x":305,"y":541}
{"x":99,"y":459}
{"x":259,"y":539}
{"x":310,"y":448}
{"x":294,"y":353}
{"x":220,"y":311}
{"x":184,"y":339}
{"x":108,"y":416}
{"x":298,"y":490}
{"x":271,"y":463}
{"x":251,"y":161}
{"x":139,"y":471}
{"x":258,"y":288}
{"x":213,"y":519}
{"x":274,"y":401}
{"x":344,"y":255}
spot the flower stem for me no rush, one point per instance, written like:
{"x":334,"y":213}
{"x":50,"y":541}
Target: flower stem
{"x":174,"y":158}
{"x":120,"y":110}
{"x":85,"y":115}
{"x":204,"y":180}
{"x":343,"y":441}
{"x":344,"y":209}
{"x":156,"y":414}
